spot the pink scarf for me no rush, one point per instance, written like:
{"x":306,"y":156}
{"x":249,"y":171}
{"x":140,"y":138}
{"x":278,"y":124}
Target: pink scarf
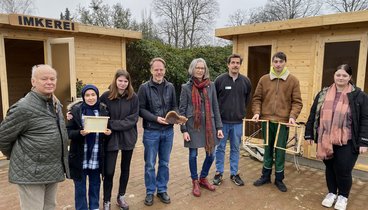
{"x":333,"y":128}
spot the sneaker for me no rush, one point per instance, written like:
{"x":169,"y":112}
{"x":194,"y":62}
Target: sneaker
{"x":237,"y":180}
{"x":106,"y":205}
{"x":341,"y":203}
{"x":121,"y":202}
{"x":261,"y":181}
{"x":281,"y":186}
{"x":217,"y":179}
{"x":329,"y":200}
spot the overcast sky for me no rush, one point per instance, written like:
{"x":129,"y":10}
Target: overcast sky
{"x":52,"y":8}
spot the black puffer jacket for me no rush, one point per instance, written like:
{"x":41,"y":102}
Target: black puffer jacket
{"x":151,"y":106}
{"x":76,"y":150}
{"x":358,"y":101}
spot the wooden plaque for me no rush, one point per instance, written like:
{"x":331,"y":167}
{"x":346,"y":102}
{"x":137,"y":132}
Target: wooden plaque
{"x":95,"y":124}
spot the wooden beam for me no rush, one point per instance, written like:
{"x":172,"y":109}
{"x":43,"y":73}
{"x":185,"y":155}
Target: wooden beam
{"x":3,"y":78}
{"x":4,"y":19}
{"x":235,"y":44}
{"x":82,"y":28}
{"x":362,"y":62}
{"x":310,"y":22}
{"x":134,"y":35}
{"x":123,"y":54}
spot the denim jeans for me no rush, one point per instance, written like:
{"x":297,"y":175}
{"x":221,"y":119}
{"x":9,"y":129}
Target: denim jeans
{"x":93,"y":190}
{"x":157,"y":142}
{"x":193,"y":152}
{"x":232,"y":131}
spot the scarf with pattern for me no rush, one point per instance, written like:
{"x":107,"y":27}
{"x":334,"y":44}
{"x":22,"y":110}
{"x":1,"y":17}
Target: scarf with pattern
{"x":196,"y":100}
{"x":333,"y":128}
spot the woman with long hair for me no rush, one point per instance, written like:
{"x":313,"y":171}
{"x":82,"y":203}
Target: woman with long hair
{"x":338,"y":124}
{"x":122,"y":103}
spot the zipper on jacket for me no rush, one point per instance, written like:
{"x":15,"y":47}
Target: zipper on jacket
{"x":277,"y":90}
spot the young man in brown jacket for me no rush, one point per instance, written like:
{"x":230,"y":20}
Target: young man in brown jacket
{"x":277,"y":98}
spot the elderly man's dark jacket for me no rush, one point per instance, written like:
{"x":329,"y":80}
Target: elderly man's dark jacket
{"x":33,"y":135}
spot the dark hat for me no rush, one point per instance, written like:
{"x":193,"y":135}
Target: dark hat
{"x":90,"y":87}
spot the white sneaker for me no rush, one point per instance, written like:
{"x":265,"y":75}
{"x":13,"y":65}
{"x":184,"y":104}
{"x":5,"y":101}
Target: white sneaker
{"x":329,"y":200}
{"x":341,"y":203}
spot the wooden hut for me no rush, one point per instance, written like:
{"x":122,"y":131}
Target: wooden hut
{"x":78,"y":52}
{"x":314,"y":46}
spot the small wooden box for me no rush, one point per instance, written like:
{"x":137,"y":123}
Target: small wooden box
{"x":95,"y":124}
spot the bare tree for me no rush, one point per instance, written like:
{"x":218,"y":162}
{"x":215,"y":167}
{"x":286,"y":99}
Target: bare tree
{"x":17,"y":6}
{"x":185,"y":23}
{"x":285,"y":9}
{"x":238,"y":18}
{"x":168,"y":10}
{"x":347,"y":5}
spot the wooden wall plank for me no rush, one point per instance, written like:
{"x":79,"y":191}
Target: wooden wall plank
{"x":97,"y":60}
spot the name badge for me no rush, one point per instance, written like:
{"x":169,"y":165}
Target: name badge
{"x":227,"y":87}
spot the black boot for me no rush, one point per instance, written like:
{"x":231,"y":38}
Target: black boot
{"x":265,"y":178}
{"x":279,"y":176}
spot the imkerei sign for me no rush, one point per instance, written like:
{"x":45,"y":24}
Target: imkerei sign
{"x":41,"y":22}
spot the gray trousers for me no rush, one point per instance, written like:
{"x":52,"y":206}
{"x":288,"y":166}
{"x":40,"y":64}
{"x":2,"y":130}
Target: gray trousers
{"x":37,"y":196}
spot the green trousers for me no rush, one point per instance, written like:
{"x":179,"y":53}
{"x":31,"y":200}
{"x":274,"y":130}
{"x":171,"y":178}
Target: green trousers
{"x":269,"y":149}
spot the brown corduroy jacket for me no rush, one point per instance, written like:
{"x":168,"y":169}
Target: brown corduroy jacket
{"x":277,"y":99}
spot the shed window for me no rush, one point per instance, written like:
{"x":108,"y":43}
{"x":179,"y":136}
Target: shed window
{"x":337,"y":53}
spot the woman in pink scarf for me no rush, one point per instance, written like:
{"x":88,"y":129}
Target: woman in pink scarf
{"x":338,"y":123}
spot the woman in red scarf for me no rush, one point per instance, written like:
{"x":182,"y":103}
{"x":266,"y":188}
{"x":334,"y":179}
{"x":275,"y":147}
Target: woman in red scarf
{"x":338,"y":123}
{"x":198,"y":102}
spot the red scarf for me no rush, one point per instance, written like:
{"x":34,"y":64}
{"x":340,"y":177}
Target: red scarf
{"x":196,"y":100}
